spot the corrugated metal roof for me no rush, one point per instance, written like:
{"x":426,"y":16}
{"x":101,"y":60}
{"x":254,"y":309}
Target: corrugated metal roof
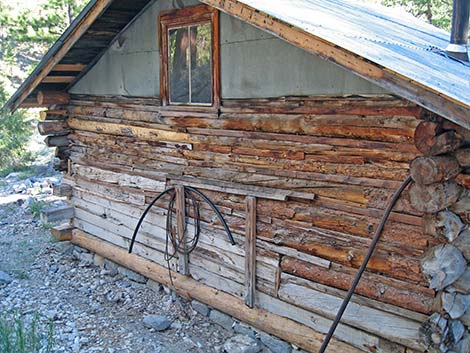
{"x":392,"y":39}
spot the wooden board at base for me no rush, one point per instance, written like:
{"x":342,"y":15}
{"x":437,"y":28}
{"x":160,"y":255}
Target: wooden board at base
{"x":287,"y":329}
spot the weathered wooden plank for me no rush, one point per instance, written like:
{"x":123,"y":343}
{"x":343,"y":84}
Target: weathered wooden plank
{"x":392,"y":327}
{"x":180,"y":204}
{"x":250,"y":251}
{"x":62,"y":232}
{"x":54,"y":214}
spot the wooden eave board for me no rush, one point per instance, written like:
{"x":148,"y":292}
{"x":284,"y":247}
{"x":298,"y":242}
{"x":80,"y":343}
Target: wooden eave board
{"x":389,"y":48}
{"x":99,"y":31}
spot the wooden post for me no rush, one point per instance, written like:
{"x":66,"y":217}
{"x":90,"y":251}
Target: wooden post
{"x":181,"y":229}
{"x":250,"y":251}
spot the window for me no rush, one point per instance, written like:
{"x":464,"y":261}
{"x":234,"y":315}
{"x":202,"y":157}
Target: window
{"x":189,"y":55}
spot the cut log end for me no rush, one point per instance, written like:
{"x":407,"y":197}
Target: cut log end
{"x":48,"y":98}
{"x":435,"y":197}
{"x":429,"y":170}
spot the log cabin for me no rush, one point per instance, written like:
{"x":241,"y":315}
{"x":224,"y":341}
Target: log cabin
{"x":297,"y":120}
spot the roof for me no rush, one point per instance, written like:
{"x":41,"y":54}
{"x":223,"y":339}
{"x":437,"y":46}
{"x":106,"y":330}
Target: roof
{"x":394,"y":50}
{"x":96,"y":27}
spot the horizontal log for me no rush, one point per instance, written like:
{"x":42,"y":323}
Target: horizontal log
{"x":57,"y":141}
{"x":53,"y":128}
{"x":434,"y":169}
{"x":127,"y":130}
{"x":53,"y":114}
{"x":48,"y":98}
{"x":187,"y":287}
{"x":346,"y":250}
{"x":402,"y":294}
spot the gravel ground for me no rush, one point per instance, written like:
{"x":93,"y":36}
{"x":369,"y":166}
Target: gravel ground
{"x":94,"y":306}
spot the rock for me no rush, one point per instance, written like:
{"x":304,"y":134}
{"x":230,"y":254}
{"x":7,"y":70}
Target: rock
{"x":243,"y":329}
{"x":462,"y":285}
{"x":111,"y":267}
{"x":463,"y":243}
{"x":133,"y":276}
{"x":455,"y":304}
{"x":5,"y":278}
{"x":64,"y":247}
{"x":86,"y":258}
{"x":201,"y":308}
{"x":98,"y":260}
{"x":443,"y":265}
{"x":275,"y":344}
{"x":466,"y":318}
{"x":221,"y":319}
{"x":463,"y":346}
{"x":457,"y":329}
{"x":449,"y":225}
{"x":155,"y":286}
{"x":433,"y":332}
{"x":157,"y":322}
{"x":242,"y":344}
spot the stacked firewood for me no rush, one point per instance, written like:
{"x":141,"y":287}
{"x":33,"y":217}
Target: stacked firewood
{"x":441,"y":191}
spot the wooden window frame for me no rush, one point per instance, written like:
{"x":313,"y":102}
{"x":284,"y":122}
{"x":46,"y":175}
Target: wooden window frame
{"x":188,"y":16}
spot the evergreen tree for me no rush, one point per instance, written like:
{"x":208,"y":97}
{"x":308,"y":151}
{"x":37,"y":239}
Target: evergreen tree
{"x":436,"y":12}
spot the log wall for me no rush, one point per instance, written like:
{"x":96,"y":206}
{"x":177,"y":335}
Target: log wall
{"x":321,"y":171}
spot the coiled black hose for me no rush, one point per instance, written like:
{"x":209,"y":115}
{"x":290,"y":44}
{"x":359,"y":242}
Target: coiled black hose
{"x":361,"y":270}
{"x":190,"y":243}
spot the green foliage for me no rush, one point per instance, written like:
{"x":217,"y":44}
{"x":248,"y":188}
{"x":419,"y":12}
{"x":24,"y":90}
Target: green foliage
{"x":436,"y":12}
{"x":19,"y":336}
{"x":36,"y":207}
{"x":15,"y":132}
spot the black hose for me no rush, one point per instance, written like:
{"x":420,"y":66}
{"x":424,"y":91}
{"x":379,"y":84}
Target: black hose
{"x":361,"y":270}
{"x":188,"y":190}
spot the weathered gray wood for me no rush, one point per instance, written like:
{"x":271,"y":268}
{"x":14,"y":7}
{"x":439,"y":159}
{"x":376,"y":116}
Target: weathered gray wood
{"x":250,"y":251}
{"x":242,"y":189}
{"x":392,"y":327}
{"x":57,"y":141}
{"x":62,"y":190}
{"x":359,"y":338}
{"x":119,"y":178}
{"x":54,"y":214}
{"x":180,"y":204}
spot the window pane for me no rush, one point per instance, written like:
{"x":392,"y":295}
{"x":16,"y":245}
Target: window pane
{"x":178,"y":65}
{"x":201,"y":83}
